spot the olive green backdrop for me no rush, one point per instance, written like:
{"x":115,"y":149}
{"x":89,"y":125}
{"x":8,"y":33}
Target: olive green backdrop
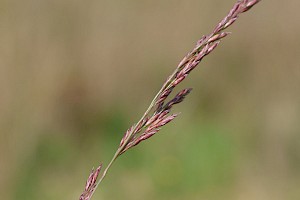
{"x":74,"y":75}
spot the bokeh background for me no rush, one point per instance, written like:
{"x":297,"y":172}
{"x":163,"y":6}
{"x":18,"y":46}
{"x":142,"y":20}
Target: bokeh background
{"x":74,"y":75}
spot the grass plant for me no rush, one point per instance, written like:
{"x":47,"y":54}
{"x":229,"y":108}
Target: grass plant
{"x":158,"y":114}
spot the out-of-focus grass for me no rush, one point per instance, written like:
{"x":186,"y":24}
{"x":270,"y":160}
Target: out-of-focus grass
{"x":74,"y":75}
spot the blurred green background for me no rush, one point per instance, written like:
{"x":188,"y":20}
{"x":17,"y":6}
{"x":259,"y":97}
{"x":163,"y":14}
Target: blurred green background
{"x":74,"y":75}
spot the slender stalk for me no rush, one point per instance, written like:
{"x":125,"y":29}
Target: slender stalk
{"x":104,"y":173}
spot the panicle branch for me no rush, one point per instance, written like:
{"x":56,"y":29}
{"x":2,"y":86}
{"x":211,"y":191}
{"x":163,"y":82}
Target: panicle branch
{"x":90,"y":185}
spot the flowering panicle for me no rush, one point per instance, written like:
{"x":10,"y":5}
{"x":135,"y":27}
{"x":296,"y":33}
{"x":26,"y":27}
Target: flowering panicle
{"x":204,"y":46}
{"x":158,"y":113}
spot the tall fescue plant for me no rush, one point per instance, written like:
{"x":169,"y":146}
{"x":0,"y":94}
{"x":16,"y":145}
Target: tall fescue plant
{"x":159,"y":112}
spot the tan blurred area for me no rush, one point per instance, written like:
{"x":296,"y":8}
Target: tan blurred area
{"x":74,"y":75}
